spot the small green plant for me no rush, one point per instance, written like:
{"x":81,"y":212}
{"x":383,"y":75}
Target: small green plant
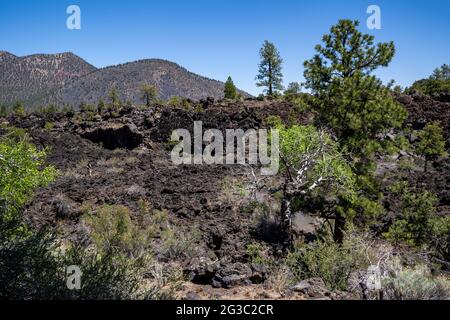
{"x":431,"y":142}
{"x":273,"y":121}
{"x":4,"y":111}
{"x":18,"y":109}
{"x":179,"y":102}
{"x":48,"y":109}
{"x":255,"y":253}
{"x":169,"y":144}
{"x":49,"y":126}
{"x":88,"y":108}
{"x":101,"y":106}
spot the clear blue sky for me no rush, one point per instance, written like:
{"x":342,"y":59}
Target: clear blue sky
{"x":217,"y":38}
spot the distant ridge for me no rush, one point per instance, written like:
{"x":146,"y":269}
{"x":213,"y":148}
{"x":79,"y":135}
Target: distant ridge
{"x":65,"y":78}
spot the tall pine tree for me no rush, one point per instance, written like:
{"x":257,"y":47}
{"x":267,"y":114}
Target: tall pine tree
{"x":357,"y":107}
{"x":352,"y":102}
{"x":269,"y":73}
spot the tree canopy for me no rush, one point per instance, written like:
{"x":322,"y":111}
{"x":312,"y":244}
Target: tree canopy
{"x":352,"y":102}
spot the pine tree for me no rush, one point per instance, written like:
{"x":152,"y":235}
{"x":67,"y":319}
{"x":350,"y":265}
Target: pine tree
{"x":3,"y":110}
{"x":230,"y":91}
{"x":357,"y":107}
{"x":293,"y":88}
{"x":431,"y":142}
{"x":352,"y":102}
{"x":269,"y":73}
{"x":18,"y":109}
{"x":442,"y":73}
{"x":114,"y":99}
{"x":100,"y":106}
{"x":149,"y":94}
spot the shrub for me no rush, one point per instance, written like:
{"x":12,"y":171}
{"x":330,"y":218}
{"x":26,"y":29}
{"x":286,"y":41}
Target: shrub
{"x":49,"y":109}
{"x":413,"y":226}
{"x":113,"y":230}
{"x":438,"y":83}
{"x":107,"y":274}
{"x":176,"y":244}
{"x":4,"y":111}
{"x":273,"y":121}
{"x":19,"y":109}
{"x":255,"y":253}
{"x":327,"y":260}
{"x":414,"y":284}
{"x":49,"y":126}
{"x":29,"y":260}
{"x":22,"y":168}
{"x":431,"y":142}
{"x":440,"y":236}
{"x":85,"y":107}
{"x":179,"y":102}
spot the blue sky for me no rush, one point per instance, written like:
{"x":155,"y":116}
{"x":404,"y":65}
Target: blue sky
{"x":222,"y":37}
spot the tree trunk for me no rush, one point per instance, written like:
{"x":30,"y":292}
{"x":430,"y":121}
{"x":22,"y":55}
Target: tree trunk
{"x":338,"y":234}
{"x":270,"y":80}
{"x":286,"y":219}
{"x":426,"y":165}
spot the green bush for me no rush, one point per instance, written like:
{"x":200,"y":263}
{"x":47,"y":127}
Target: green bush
{"x":255,"y":253}
{"x":4,"y":111}
{"x":106,"y":274}
{"x":22,"y":168}
{"x":327,"y":260}
{"x":179,"y":102}
{"x":415,"y":284}
{"x":431,"y":143}
{"x":438,"y":83}
{"x":29,"y":261}
{"x":19,"y":109}
{"x":113,"y":230}
{"x":176,"y":244}
{"x":431,"y":87}
{"x":413,"y":226}
{"x":33,"y":263}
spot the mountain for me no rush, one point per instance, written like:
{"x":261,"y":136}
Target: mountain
{"x":169,"y":78}
{"x":32,"y":78}
{"x":67,"y":79}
